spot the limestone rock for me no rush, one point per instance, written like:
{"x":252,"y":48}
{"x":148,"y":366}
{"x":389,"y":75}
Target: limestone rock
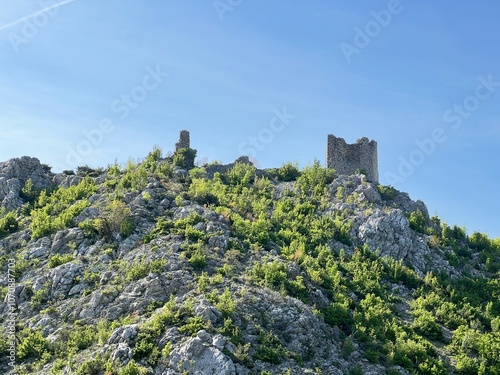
{"x":13,"y":175}
{"x":197,"y":358}
{"x":388,"y":232}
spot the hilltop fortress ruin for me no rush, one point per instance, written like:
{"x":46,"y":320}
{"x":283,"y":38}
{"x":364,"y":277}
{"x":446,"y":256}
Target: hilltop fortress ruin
{"x":348,"y":159}
{"x":344,"y":158}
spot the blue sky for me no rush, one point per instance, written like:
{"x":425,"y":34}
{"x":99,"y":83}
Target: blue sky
{"x":91,"y":82}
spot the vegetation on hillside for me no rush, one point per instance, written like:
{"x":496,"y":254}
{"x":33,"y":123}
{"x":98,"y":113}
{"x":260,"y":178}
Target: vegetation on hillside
{"x":279,"y":220}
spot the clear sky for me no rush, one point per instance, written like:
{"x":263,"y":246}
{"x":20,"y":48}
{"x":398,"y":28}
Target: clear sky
{"x":91,"y":82}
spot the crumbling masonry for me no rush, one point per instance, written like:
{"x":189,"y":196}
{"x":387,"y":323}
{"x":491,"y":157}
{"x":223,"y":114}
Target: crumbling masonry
{"x":349,"y":159}
{"x":183,"y":140}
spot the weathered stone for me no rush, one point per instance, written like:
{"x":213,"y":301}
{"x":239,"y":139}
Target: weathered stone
{"x":67,"y":240}
{"x":13,"y":175}
{"x":194,"y":357}
{"x":123,"y":334}
{"x":348,"y":159}
{"x":209,"y":312}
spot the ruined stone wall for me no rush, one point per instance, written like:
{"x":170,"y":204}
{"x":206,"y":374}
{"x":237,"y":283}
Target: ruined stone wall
{"x":347,"y":159}
{"x":183,"y":140}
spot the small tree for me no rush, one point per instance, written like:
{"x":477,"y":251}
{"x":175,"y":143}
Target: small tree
{"x":418,"y":222}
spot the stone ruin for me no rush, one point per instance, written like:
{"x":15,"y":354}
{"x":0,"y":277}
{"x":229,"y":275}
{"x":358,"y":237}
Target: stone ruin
{"x":344,"y":158}
{"x":184,"y":147}
{"x":183,"y":140}
{"x":349,"y":159}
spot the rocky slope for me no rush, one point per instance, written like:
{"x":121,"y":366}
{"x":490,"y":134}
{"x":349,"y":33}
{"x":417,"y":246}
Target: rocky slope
{"x":153,"y":269}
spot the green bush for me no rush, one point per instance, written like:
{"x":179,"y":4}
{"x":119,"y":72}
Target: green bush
{"x":288,"y":172}
{"x":127,"y":227}
{"x":467,"y":365}
{"x":241,"y":175}
{"x":270,"y":348}
{"x":133,"y":368}
{"x":338,"y":314}
{"x":40,"y":224}
{"x":32,"y":345}
{"x":142,"y":268}
{"x":314,"y":179}
{"x":418,"y":222}
{"x":224,"y":302}
{"x":93,"y":366}
{"x":81,"y":338}
{"x":56,"y":211}
{"x":8,"y":223}
{"x":184,"y":158}
{"x":86,"y":171}
{"x":425,"y":324}
{"x":28,"y":193}
{"x":272,"y":274}
{"x":198,"y":259}
{"x":117,"y":217}
{"x":387,"y":192}
{"x":193,"y":325}
{"x":40,"y":297}
{"x":146,"y":347}
{"x":58,"y":259}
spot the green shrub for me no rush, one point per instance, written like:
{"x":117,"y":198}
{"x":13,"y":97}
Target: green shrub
{"x":81,"y":338}
{"x":86,"y":171}
{"x":387,"y":192}
{"x":233,"y":332}
{"x":56,"y":211}
{"x":357,"y":370}
{"x":40,"y":224}
{"x":117,"y":217}
{"x":58,"y":259}
{"x":314,"y":179}
{"x":93,"y":366}
{"x":425,"y":324}
{"x":338,"y":314}
{"x":8,"y":224}
{"x":198,"y":259}
{"x":224,"y":302}
{"x":40,"y":297}
{"x":467,"y":365}
{"x":133,"y":368}
{"x":193,"y":325}
{"x":28,"y":192}
{"x":194,"y":235}
{"x":288,"y":172}
{"x":146,"y":347}
{"x":418,"y":222}
{"x":32,"y":345}
{"x":142,"y":268}
{"x":184,"y":158}
{"x":272,"y":274}
{"x":127,"y":227}
{"x":241,"y":174}
{"x":270,"y":348}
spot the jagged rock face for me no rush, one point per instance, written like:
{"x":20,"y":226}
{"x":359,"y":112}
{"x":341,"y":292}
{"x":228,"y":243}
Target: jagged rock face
{"x":13,"y":175}
{"x":200,"y":355}
{"x":388,"y":232}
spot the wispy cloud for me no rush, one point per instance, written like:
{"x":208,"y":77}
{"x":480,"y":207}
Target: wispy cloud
{"x":25,"y":18}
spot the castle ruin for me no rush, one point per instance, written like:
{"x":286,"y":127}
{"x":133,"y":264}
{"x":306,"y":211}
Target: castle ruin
{"x":183,"y":140}
{"x":184,"y":155}
{"x":349,"y":159}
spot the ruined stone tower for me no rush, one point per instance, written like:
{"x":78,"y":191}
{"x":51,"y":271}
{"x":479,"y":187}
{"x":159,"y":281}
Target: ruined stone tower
{"x":183,"y":140}
{"x":184,"y":155}
{"x":347,"y":159}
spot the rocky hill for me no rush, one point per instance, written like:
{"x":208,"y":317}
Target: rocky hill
{"x":151,"y":268}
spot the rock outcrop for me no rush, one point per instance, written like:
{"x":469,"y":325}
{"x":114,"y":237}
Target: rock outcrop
{"x":13,"y":175}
